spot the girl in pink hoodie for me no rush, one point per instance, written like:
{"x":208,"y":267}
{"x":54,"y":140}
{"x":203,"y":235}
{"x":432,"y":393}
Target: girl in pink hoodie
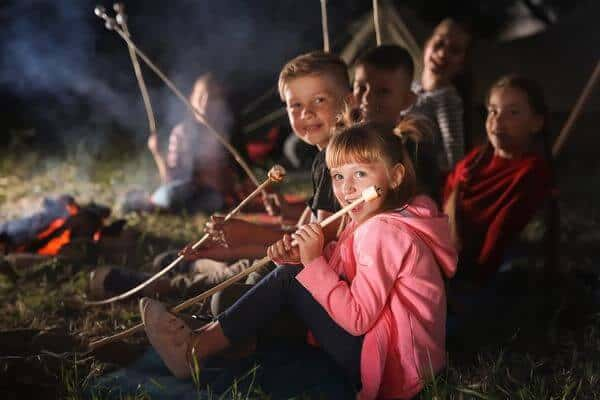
{"x":374,"y":300}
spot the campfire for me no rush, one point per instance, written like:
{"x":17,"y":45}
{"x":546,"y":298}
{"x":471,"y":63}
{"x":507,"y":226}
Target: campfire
{"x":76,"y":222}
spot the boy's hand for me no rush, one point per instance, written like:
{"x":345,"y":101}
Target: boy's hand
{"x":310,"y":240}
{"x":282,"y":251}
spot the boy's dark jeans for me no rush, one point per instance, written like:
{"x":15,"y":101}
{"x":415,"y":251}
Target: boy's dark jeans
{"x":280,"y":290}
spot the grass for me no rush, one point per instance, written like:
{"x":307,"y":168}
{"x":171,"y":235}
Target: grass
{"x":553,"y":354}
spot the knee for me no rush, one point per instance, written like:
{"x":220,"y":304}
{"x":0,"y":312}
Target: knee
{"x":221,"y":301}
{"x":162,"y":197}
{"x":285,"y":273}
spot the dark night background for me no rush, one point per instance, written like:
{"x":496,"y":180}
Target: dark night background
{"x":64,"y":78}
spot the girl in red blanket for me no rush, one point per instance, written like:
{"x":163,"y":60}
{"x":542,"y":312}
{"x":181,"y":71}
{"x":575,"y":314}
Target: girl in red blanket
{"x":496,"y":189}
{"x":374,"y":300}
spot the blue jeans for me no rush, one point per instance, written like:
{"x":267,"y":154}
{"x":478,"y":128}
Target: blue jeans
{"x":280,"y":290}
{"x":185,"y":194}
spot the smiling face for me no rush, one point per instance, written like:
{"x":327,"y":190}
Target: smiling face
{"x":445,"y":52}
{"x":313,"y":103}
{"x":350,"y":179}
{"x":511,"y":122}
{"x":381,"y":93}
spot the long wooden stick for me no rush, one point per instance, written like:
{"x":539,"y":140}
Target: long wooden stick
{"x":122,"y":20}
{"x":367,"y":195}
{"x":583,"y":98}
{"x":276,"y":174}
{"x":111,"y":24}
{"x":324,"y":24}
{"x":376,"y":22}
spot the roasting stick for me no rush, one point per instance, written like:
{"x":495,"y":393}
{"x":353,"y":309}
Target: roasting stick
{"x":326,"y":47}
{"x":111,"y":24}
{"x":583,"y":98}
{"x":368,"y":194}
{"x":376,"y":22}
{"x":276,"y":174}
{"x":122,"y":20}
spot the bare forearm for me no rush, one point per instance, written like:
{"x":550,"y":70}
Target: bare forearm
{"x":161,"y":165}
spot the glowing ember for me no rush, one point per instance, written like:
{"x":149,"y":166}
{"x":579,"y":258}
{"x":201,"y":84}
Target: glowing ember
{"x":54,"y":245}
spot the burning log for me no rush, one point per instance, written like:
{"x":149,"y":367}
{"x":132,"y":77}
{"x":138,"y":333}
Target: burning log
{"x":60,"y":223}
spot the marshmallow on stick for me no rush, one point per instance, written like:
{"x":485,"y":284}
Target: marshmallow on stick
{"x":368,"y":194}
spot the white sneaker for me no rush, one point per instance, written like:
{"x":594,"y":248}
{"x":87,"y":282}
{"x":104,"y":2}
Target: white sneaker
{"x":169,"y":335}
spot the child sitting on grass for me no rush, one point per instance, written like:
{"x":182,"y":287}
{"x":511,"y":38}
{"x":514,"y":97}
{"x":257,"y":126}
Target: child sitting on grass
{"x":374,"y":300}
{"x":490,"y":196}
{"x":496,"y":189}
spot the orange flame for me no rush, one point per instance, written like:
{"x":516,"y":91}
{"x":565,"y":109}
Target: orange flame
{"x":54,"y":245}
{"x":54,"y":225}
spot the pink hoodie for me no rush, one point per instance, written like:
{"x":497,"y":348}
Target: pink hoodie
{"x":394,"y":262}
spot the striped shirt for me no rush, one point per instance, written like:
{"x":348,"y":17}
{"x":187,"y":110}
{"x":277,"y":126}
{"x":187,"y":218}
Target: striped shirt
{"x":445,"y":107}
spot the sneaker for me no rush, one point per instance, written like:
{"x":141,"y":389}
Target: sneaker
{"x":169,"y":335}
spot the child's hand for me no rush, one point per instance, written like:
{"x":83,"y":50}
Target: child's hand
{"x":189,"y":254}
{"x":282,"y":251}
{"x":153,"y":143}
{"x":310,"y":240}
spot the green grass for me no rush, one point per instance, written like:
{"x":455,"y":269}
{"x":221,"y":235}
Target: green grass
{"x":554,"y":357}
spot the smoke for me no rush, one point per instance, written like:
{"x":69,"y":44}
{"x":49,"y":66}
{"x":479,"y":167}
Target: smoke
{"x":75,"y":77}
{"x":76,"y":85}
{"x":49,"y":60}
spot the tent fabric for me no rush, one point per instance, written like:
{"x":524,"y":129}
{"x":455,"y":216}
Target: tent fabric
{"x":561,"y":58}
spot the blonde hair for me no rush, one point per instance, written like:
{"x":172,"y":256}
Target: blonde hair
{"x":368,"y":142}
{"x":314,"y":63}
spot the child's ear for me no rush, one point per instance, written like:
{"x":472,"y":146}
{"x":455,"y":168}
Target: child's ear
{"x":397,"y":175}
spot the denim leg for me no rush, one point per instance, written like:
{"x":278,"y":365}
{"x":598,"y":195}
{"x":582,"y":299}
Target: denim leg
{"x":280,"y":289}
